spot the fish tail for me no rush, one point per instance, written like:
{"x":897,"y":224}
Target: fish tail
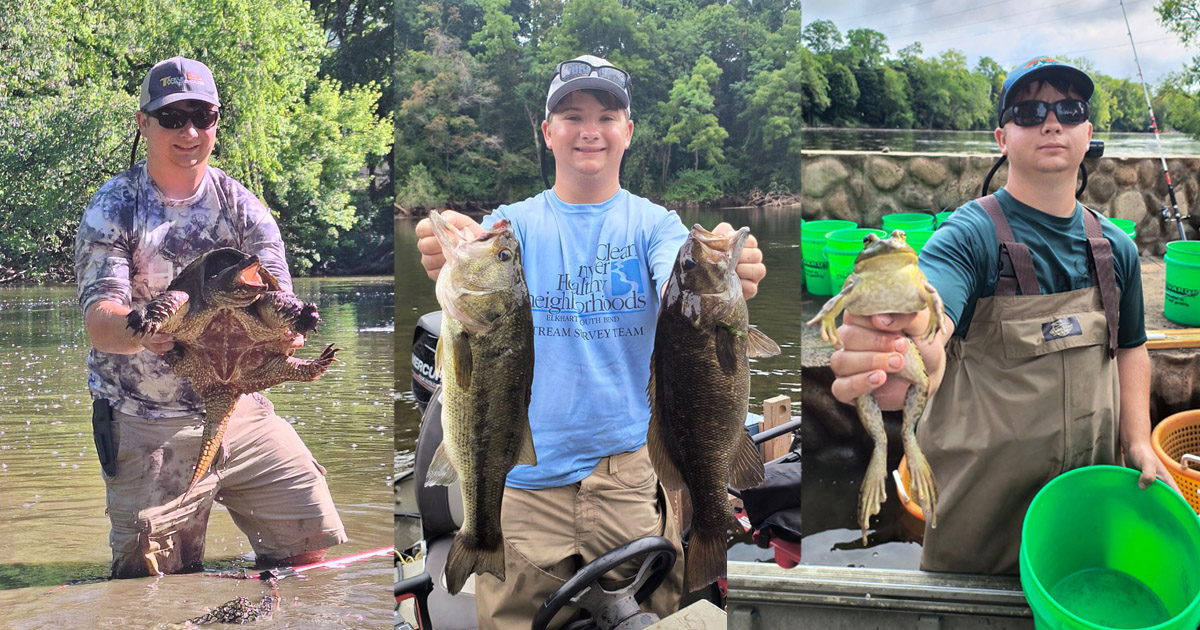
{"x":469,"y":555}
{"x":706,"y":558}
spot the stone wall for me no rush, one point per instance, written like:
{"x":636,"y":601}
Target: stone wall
{"x":863,"y":187}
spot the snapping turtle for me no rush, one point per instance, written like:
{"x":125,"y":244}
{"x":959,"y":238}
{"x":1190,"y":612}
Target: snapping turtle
{"x":233,"y":329}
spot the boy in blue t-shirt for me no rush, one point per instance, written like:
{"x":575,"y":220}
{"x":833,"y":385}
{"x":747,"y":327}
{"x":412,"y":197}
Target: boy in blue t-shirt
{"x":596,"y":260}
{"x":1041,"y":365}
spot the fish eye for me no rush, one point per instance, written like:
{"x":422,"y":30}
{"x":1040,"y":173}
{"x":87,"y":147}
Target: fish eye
{"x":504,"y":255}
{"x":689,"y":264}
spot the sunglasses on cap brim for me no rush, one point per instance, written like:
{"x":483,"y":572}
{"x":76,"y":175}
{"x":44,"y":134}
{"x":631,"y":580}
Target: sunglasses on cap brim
{"x":171,"y":118}
{"x":1069,"y":111}
{"x":569,"y":70}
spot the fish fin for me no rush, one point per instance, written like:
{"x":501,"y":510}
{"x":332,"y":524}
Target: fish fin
{"x":441,"y":471}
{"x":726,"y":339}
{"x":761,"y":346}
{"x":468,"y":556}
{"x":746,"y":469}
{"x":463,"y":362}
{"x":706,"y":558}
{"x":660,"y":456}
{"x":526,"y":455}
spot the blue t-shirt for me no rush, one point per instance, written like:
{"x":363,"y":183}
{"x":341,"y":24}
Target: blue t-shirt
{"x":595,"y":274}
{"x":962,"y":261}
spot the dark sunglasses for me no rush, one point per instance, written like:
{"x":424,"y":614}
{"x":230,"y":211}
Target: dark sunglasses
{"x":1069,"y":111}
{"x":569,"y":70}
{"x":176,"y":118}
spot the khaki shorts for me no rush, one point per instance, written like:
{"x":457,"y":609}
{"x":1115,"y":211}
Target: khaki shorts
{"x":264,"y":475}
{"x":549,"y":534}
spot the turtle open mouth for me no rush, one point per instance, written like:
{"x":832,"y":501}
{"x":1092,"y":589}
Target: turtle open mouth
{"x":250,"y":276}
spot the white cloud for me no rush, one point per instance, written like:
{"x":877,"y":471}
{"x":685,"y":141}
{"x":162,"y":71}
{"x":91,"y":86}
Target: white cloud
{"x":1011,"y":32}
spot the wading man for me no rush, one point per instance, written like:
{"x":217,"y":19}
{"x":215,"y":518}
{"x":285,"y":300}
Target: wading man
{"x":588,"y":246}
{"x":141,"y":229}
{"x":1042,"y":297}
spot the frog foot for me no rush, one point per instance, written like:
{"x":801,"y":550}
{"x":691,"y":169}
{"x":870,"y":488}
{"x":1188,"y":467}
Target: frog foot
{"x":924,"y":489}
{"x":874,"y":491}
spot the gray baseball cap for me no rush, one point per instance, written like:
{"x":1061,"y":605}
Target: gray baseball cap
{"x":177,"y":79}
{"x":602,"y":75}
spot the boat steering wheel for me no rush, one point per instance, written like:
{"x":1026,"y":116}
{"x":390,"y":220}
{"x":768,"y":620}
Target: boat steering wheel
{"x":612,"y":610}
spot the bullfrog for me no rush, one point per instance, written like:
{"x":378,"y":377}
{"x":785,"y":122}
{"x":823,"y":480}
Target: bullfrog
{"x":886,"y":279}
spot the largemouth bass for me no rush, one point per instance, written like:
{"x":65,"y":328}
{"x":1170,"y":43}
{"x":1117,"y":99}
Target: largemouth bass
{"x":699,"y":392}
{"x":485,"y":357}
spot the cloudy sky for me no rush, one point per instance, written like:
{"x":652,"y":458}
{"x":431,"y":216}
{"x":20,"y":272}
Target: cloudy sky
{"x":1013,"y":31}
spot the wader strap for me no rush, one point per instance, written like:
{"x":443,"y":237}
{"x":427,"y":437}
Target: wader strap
{"x":1103,"y":276}
{"x":1015,"y":259}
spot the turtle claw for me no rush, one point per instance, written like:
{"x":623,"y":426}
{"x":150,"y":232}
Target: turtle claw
{"x":307,"y":319}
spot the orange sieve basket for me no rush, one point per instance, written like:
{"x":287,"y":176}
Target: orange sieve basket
{"x":1177,"y":440}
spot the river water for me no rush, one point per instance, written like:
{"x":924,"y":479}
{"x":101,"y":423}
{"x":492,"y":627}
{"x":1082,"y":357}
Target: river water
{"x":929,"y":141}
{"x":775,"y":311}
{"x":52,"y":494}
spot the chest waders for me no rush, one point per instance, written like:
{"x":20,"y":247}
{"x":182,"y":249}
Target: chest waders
{"x":1029,"y":394}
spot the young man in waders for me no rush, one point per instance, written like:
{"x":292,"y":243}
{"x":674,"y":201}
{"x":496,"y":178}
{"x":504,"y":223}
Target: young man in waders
{"x":1043,"y":297}
{"x":141,"y":229}
{"x":594,"y":487}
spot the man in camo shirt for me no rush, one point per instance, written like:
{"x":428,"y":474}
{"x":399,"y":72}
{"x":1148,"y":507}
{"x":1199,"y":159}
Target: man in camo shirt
{"x":140,"y":229}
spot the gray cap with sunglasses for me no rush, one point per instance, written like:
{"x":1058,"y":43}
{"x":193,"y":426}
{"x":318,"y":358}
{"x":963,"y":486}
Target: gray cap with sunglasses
{"x":1040,"y":69}
{"x":177,"y":79}
{"x":588,"y":72}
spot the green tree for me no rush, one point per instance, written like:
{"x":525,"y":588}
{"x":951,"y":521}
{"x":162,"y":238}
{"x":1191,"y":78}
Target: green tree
{"x":822,"y":37}
{"x":327,"y":140}
{"x":690,"y":110}
{"x":867,"y":46}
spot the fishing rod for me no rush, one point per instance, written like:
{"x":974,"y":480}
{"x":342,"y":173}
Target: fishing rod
{"x":283,"y":572}
{"x":1173,"y":213}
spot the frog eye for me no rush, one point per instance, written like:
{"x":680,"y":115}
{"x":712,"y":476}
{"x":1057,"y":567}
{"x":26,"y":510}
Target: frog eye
{"x":504,"y":255}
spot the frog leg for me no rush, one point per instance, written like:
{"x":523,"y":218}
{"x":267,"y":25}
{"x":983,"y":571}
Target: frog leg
{"x":924,"y":489}
{"x":830,"y":311}
{"x":933,"y":301}
{"x":873,"y":492}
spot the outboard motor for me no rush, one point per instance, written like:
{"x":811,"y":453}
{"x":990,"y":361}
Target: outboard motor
{"x":424,"y":348}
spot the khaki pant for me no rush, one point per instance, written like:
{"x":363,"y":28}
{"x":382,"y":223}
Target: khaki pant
{"x":264,"y":475}
{"x":551,"y":533}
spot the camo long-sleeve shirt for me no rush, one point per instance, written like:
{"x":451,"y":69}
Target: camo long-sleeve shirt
{"x":132,"y":242}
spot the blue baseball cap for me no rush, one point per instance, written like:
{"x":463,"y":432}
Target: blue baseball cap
{"x":1040,"y":69}
{"x":177,"y":79}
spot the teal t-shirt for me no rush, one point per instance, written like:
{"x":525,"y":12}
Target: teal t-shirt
{"x":962,"y":261}
{"x":595,"y":274}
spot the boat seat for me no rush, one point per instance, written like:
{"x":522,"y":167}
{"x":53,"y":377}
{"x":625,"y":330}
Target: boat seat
{"x":441,"y":515}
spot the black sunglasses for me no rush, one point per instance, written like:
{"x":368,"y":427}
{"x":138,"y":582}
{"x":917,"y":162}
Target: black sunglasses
{"x":569,"y":70}
{"x":1069,"y":111}
{"x":176,"y":118}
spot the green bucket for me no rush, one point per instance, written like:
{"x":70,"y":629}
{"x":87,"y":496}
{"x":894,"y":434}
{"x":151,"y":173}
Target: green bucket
{"x":1099,"y":553}
{"x":812,"y":251}
{"x":916,"y":239}
{"x":941,"y":217}
{"x":1185,"y":251}
{"x":907,"y":221}
{"x":1127,"y":226}
{"x":841,"y":248}
{"x":1181,"y":299}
